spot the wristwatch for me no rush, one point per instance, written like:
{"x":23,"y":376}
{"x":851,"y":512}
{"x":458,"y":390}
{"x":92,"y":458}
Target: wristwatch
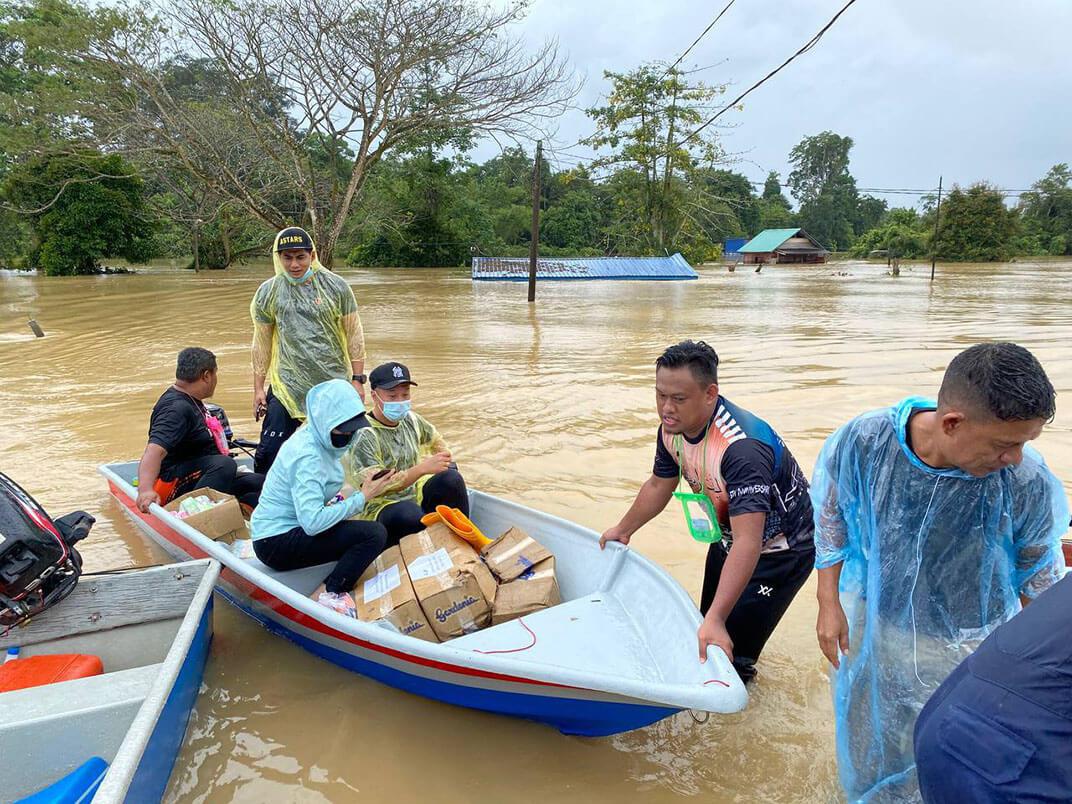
{"x":361,"y":378}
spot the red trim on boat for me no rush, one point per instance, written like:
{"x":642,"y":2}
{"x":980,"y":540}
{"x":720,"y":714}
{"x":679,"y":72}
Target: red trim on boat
{"x":300,"y":618}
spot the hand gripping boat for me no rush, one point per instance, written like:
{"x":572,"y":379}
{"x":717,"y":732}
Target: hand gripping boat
{"x":618,"y":653}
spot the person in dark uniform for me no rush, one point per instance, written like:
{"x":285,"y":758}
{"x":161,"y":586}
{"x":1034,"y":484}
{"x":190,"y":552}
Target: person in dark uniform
{"x":739,"y":467}
{"x":999,"y":728}
{"x":187,"y":449}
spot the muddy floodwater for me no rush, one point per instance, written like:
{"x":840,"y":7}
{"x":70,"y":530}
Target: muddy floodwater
{"x":552,"y":406}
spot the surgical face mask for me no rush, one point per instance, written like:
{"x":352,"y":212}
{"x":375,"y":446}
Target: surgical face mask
{"x":396,"y":411}
{"x":301,"y":278}
{"x":341,"y":440}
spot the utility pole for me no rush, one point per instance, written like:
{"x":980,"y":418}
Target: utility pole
{"x":534,"y":242}
{"x":197,"y":246}
{"x":937,"y":216}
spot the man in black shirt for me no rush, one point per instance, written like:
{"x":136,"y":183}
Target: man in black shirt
{"x":757,"y":495}
{"x":187,"y":449}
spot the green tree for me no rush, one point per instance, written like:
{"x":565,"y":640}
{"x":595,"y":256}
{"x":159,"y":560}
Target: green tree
{"x":645,"y":125}
{"x":87,"y":207}
{"x":1046,"y":211}
{"x":821,"y":183}
{"x":775,"y":211}
{"x":976,"y":226}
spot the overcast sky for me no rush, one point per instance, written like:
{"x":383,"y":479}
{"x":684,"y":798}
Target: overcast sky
{"x":968,"y":89}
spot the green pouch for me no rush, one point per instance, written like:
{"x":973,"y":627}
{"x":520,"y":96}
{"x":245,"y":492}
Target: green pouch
{"x":700,"y":516}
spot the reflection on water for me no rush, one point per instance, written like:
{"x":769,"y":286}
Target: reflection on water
{"x":551,"y":406}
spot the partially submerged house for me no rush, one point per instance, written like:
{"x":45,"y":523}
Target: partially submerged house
{"x":783,"y":246}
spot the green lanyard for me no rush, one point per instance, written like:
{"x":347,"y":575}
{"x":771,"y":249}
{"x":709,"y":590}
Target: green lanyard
{"x":700,"y":516}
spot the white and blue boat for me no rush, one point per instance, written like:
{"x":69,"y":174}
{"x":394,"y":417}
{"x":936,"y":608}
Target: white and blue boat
{"x":114,"y":736}
{"x":617,"y":654}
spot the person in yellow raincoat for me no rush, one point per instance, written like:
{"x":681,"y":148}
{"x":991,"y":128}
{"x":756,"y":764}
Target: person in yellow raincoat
{"x":306,"y":330}
{"x":402,"y":440}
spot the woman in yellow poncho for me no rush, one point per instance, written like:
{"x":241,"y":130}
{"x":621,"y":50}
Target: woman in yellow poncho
{"x":306,"y":330}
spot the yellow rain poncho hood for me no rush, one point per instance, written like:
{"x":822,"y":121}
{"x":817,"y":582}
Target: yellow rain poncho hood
{"x":304,"y":333}
{"x":401,"y":447}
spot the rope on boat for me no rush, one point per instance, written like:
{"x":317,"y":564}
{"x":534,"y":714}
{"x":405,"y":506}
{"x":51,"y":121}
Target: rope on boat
{"x":513,"y":650}
{"x":706,"y":716}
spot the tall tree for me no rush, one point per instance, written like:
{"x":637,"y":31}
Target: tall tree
{"x":821,"y":183}
{"x":90,"y":218}
{"x":1047,"y":209}
{"x":313,"y":93}
{"x":645,"y":124}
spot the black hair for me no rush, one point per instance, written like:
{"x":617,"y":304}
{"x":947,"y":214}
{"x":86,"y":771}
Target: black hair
{"x":700,"y":359}
{"x":1002,"y":379}
{"x":193,"y":362}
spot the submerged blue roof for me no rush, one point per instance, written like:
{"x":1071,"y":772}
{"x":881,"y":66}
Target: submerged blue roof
{"x":517,"y":268}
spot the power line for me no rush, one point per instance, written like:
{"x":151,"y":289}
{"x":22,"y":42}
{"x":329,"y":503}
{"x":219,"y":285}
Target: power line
{"x":807,"y":46}
{"x":698,"y":38}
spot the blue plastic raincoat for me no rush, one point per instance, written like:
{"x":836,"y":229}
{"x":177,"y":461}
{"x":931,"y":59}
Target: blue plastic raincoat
{"x":933,"y":560}
{"x":308,"y":473}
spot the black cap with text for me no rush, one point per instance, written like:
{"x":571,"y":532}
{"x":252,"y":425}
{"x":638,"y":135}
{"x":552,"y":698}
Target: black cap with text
{"x":389,"y":375}
{"x":293,"y":238}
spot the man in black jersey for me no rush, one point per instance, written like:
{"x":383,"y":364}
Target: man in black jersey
{"x":758,"y":494}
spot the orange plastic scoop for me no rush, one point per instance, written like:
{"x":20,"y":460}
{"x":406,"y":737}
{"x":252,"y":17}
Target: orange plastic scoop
{"x":459,"y":523}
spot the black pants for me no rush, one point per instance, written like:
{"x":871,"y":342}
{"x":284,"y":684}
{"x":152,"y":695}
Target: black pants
{"x":352,"y":543}
{"x":276,"y":427}
{"x":402,"y":518}
{"x":219,"y":472}
{"x":775,"y":582}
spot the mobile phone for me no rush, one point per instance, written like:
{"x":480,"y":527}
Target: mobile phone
{"x":380,"y":474}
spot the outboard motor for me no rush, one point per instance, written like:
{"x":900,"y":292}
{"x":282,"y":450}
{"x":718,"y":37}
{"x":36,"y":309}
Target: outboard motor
{"x":38,"y":563}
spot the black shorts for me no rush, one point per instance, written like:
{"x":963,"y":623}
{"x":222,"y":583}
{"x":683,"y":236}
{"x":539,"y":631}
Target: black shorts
{"x":777,"y":579}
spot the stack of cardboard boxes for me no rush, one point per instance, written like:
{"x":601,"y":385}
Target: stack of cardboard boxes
{"x":435,"y":586}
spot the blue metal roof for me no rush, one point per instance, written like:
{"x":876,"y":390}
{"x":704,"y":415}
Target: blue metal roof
{"x":733,"y":245}
{"x":517,"y":268}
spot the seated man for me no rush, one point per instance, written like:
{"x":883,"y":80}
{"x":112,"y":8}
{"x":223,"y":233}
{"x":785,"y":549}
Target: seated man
{"x":187,"y":449}
{"x":406,"y":442}
{"x":305,"y":513}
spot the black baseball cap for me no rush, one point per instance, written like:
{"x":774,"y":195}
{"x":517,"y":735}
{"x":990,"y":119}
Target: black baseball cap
{"x":389,"y":375}
{"x":293,"y":237}
{"x":352,"y":425}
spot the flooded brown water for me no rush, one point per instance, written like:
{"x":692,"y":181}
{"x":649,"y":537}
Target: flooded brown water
{"x":552,"y":407}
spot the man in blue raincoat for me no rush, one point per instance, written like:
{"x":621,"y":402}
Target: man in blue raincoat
{"x":934,"y":523}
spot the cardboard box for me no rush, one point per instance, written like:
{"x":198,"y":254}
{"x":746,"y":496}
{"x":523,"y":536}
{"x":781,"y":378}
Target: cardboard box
{"x":385,"y":592}
{"x":223,"y":522}
{"x":451,"y":583}
{"x":513,"y":553}
{"x":531,"y":591}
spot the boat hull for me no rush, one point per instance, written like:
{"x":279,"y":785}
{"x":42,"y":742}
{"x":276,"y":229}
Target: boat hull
{"x":571,"y":710}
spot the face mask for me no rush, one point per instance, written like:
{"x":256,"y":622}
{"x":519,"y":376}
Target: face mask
{"x":300,"y":279}
{"x":341,"y":440}
{"x":396,"y":411}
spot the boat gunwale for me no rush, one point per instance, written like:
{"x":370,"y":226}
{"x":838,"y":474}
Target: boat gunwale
{"x":128,"y":757}
{"x":701,"y":696}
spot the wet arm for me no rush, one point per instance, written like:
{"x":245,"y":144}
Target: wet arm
{"x":149,"y":466}
{"x":740,"y":563}
{"x":261,"y":353}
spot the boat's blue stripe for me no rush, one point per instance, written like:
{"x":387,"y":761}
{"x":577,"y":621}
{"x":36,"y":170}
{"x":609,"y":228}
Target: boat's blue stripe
{"x":569,"y":715}
{"x":151,"y":777}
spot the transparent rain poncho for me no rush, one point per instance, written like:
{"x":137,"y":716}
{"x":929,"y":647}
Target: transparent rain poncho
{"x":401,"y":447}
{"x":933,"y":560}
{"x":304,"y":334}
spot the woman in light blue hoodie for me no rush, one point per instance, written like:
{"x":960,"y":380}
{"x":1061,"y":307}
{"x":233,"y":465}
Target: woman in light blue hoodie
{"x":302,"y":520}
